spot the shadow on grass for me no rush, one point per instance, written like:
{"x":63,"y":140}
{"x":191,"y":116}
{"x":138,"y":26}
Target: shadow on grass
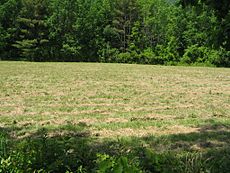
{"x":72,"y":147}
{"x":207,"y":137}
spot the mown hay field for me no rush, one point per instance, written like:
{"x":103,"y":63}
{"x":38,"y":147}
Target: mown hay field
{"x":111,"y":101}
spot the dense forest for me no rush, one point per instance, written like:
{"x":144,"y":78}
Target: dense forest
{"x":125,"y":31}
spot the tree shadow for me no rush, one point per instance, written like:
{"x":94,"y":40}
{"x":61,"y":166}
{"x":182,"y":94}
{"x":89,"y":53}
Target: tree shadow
{"x":211,"y":142}
{"x":73,"y":146}
{"x":207,"y":137}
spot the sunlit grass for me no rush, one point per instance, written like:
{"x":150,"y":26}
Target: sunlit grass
{"x":112,"y":97}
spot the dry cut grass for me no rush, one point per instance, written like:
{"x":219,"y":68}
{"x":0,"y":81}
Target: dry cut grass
{"x":112,"y":100}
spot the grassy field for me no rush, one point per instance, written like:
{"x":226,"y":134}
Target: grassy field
{"x":181,"y":109}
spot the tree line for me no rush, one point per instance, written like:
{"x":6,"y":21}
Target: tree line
{"x":123,"y":31}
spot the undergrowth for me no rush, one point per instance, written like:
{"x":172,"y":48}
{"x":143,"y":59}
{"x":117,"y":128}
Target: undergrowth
{"x":41,"y":154}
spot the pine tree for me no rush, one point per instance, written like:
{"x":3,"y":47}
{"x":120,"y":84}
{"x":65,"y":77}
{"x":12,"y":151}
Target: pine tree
{"x":125,"y":15}
{"x":9,"y":10}
{"x":33,"y":36}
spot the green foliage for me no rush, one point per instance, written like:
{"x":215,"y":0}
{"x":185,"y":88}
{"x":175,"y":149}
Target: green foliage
{"x":223,"y":58}
{"x":158,"y":22}
{"x":194,"y":54}
{"x":201,"y":54}
{"x":154,"y":162}
{"x":3,"y":144}
{"x":108,"y":54}
{"x":43,"y":155}
{"x":201,"y":26}
{"x":125,"y":16}
{"x":33,"y":30}
{"x":107,"y":164}
{"x":8,"y":13}
{"x":62,"y":30}
{"x":126,"y":31}
{"x":195,"y":163}
{"x":148,"y":56}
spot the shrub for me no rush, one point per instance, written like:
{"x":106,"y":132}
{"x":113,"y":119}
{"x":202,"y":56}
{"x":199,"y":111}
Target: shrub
{"x":108,"y":54}
{"x":147,"y":56}
{"x":128,"y":57}
{"x":107,"y":164}
{"x":200,"y":55}
{"x":193,"y":54}
{"x":223,"y":58}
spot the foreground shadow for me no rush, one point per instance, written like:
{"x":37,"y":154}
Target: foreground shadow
{"x":73,"y":147}
{"x":206,"y":138}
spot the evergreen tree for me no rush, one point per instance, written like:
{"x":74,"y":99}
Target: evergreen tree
{"x":33,"y":30}
{"x":9,"y":10}
{"x":126,"y":13}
